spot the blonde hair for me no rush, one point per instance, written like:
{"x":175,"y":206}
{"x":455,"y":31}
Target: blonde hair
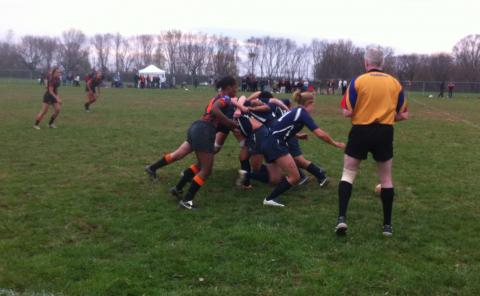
{"x":302,"y":98}
{"x":374,"y":56}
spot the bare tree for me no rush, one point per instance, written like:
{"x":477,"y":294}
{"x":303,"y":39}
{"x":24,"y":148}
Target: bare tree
{"x":48,"y":51}
{"x":29,"y":49}
{"x":123,"y":53}
{"x":170,"y":41}
{"x":224,"y":58}
{"x":467,"y":57}
{"x":193,"y":52}
{"x":146,"y":45}
{"x":440,"y":66}
{"x":102,"y":44}
{"x":73,"y":54}
{"x":406,"y":66}
{"x":253,"y":48}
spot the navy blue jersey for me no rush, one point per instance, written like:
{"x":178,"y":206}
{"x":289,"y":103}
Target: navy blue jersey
{"x":245,"y":126}
{"x":265,"y":117}
{"x":291,"y":123}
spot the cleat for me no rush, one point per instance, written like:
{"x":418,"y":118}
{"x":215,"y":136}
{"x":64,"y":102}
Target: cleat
{"x":52,"y":126}
{"x":387,"y":230}
{"x":341,"y":228}
{"x":152,"y":174}
{"x":242,"y":175}
{"x":324,"y":183}
{"x":303,"y":180}
{"x":188,"y":205}
{"x":272,"y":202}
{"x":36,"y":127}
{"x":177,"y":193}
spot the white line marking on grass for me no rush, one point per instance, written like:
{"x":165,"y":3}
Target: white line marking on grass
{"x":440,"y":111}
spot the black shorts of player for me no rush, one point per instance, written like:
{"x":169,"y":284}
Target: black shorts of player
{"x":255,"y":141}
{"x":223,"y":129}
{"x":274,"y":148}
{"x":294,"y":147}
{"x":201,"y":136}
{"x":374,"y":138}
{"x":49,"y":99}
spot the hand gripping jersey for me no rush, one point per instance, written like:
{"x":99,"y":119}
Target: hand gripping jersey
{"x":265,"y":117}
{"x":291,"y":123}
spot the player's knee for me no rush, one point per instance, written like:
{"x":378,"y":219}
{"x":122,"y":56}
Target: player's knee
{"x":217,"y":147}
{"x":348,"y":175}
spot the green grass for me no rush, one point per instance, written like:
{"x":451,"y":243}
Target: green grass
{"x":79,"y":217}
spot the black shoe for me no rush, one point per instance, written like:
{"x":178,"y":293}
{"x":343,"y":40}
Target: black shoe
{"x":387,"y":230}
{"x":177,"y":193}
{"x":188,"y":205}
{"x":303,"y":180}
{"x":324,"y":182}
{"x":151,"y":173}
{"x":341,"y":228}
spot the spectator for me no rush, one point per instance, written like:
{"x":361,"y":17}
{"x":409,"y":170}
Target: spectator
{"x":442,"y":89}
{"x":344,"y":87}
{"x":450,"y":86}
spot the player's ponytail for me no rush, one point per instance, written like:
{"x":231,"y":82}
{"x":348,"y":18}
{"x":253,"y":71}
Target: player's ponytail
{"x":302,"y":98}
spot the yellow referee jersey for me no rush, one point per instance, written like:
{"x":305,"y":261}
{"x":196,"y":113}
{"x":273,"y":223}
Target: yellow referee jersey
{"x":374,"y":97}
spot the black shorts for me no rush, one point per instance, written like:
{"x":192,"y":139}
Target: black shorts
{"x":294,"y":147}
{"x":49,"y":99}
{"x":374,"y":138}
{"x":87,"y":90}
{"x":201,"y":136}
{"x":223,"y":129}
{"x":274,"y":148}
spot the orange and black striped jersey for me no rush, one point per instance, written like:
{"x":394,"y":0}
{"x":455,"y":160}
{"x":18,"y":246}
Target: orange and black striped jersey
{"x":374,"y":97}
{"x":224,"y":102}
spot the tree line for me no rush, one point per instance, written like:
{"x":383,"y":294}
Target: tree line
{"x":183,"y":53}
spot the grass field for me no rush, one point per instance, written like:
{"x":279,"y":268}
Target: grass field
{"x":78,"y":216}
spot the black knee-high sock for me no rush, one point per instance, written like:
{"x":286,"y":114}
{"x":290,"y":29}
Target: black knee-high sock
{"x":344,"y":193}
{"x":386,"y":195}
{"x":87,"y":106}
{"x":261,"y":175}
{"x":245,"y":165}
{"x":52,"y":119}
{"x":316,"y":171}
{"x":279,"y":189}
{"x":187,"y":176}
{"x":196,"y":184}
{"x":162,"y":162}
{"x":37,"y":122}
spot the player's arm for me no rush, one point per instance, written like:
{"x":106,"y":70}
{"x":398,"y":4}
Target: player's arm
{"x":219,"y":114}
{"x":402,"y":108}
{"x":308,"y":121}
{"x":52,"y":93}
{"x":239,"y":103}
{"x":89,"y":86}
{"x":254,"y":95}
{"x":279,"y":103}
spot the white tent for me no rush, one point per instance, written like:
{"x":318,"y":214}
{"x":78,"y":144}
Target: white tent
{"x":152,"y":70}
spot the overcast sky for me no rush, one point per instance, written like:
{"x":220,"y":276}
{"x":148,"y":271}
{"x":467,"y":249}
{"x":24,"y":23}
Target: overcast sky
{"x":421,"y":26}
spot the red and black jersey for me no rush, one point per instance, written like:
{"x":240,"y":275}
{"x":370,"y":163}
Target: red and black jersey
{"x":53,"y":82}
{"x":225,"y":103}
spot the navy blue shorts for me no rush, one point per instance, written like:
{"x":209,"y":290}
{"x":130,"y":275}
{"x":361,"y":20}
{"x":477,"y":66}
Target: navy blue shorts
{"x":255,"y":141}
{"x":274,"y":148}
{"x":294,"y":147}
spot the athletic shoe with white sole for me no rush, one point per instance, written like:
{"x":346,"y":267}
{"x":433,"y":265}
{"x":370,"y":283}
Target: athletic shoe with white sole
{"x":52,"y":126}
{"x":387,"y":230}
{"x":151,"y":173}
{"x":303,"y":180}
{"x":272,"y":202}
{"x":36,"y":127}
{"x":323,"y":183}
{"x":187,"y":205}
{"x":341,"y":228}
{"x":242,"y":175}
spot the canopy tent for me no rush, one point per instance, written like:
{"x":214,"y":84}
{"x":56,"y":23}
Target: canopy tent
{"x":153,"y":70}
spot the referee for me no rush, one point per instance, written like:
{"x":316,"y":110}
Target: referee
{"x":373,"y":101}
